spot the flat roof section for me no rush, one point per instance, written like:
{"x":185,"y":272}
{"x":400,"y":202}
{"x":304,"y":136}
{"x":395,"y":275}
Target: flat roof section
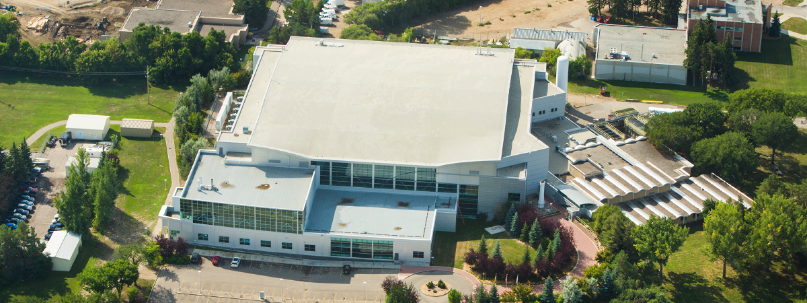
{"x":641,"y":43}
{"x":386,"y":102}
{"x":174,"y":20}
{"x":601,"y":155}
{"x":228,"y":29}
{"x":258,"y":186}
{"x":517,"y":136}
{"x":209,"y":8}
{"x":549,"y":34}
{"x":748,"y":11}
{"x":94,"y":122}
{"x":646,"y":152}
{"x":371,"y":213}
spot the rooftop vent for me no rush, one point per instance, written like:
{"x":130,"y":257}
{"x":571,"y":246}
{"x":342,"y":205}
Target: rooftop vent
{"x":246,"y":129}
{"x":397,"y":228}
{"x":190,"y":24}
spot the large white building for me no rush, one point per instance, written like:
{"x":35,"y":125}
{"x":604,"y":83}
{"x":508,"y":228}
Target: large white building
{"x":363,"y":149}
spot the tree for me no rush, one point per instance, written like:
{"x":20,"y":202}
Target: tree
{"x":729,"y":155}
{"x":548,"y":296}
{"x":454,"y":296}
{"x":188,"y":153}
{"x":777,"y":230}
{"x":497,"y":251}
{"x":570,"y":292}
{"x":708,"y":116}
{"x":523,"y":53}
{"x":483,"y":246}
{"x":535,"y":234}
{"x":555,"y":246}
{"x":508,"y":219}
{"x":114,"y":274}
{"x":708,"y":206}
{"x":104,"y":192}
{"x":493,"y":296}
{"x":132,"y":253}
{"x":776,"y":26}
{"x":774,"y":185}
{"x":72,"y":203}
{"x":762,"y":99}
{"x":741,"y":121}
{"x":725,"y":231}
{"x":550,"y":57}
{"x":775,"y":130}
{"x":539,"y":253}
{"x":525,"y":258}
{"x":674,"y":131}
{"x":358,"y":32}
{"x":9,"y":28}
{"x":514,"y":227}
{"x":659,"y":238}
{"x":580,"y":67}
{"x":595,"y":7}
{"x":607,"y":291}
{"x":254,"y":11}
{"x":524,"y":235}
{"x":615,"y":231}
{"x":22,"y":255}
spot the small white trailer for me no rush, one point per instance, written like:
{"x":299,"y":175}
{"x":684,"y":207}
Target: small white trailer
{"x":325,"y":21}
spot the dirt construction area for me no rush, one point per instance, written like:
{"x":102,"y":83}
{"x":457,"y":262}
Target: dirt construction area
{"x":53,"y":20}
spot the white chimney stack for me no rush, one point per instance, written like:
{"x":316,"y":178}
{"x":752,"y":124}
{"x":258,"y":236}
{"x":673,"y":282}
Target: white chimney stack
{"x":562,"y":73}
{"x":541,"y":200}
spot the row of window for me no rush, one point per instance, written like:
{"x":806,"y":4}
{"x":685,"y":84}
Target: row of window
{"x":245,"y":217}
{"x":541,"y":112}
{"x":264,"y":243}
{"x":381,"y":177}
{"x":724,"y":28}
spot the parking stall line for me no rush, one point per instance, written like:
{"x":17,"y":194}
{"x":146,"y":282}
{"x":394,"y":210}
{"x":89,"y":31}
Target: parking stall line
{"x":321,"y":269}
{"x":270,"y":266}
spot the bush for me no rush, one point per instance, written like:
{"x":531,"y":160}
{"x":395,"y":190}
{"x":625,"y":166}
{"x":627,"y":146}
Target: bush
{"x":482,"y":217}
{"x":441,"y":284}
{"x":178,"y":259}
{"x":430,"y":284}
{"x":135,"y":296}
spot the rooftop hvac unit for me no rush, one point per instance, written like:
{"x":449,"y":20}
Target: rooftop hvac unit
{"x":228,"y":128}
{"x":230,"y":122}
{"x":236,"y":105}
{"x":235,"y":111}
{"x":232,"y":116}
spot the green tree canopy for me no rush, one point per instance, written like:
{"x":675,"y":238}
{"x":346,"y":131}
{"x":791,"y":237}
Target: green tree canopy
{"x":775,"y":130}
{"x":725,"y":231}
{"x":730,"y":155}
{"x":254,"y":11}
{"x":659,"y":238}
{"x":114,"y":274}
{"x":21,"y":256}
{"x":358,"y":32}
{"x":777,"y":229}
{"x":523,"y":53}
{"x":674,"y":131}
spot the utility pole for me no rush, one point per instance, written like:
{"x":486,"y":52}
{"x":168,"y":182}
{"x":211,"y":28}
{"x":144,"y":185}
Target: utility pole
{"x":148,"y":90}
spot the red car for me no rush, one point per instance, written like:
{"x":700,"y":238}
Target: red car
{"x":216,"y":260}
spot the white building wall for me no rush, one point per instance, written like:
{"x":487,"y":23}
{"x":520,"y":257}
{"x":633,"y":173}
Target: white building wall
{"x":446,"y":220}
{"x":640,"y":72}
{"x":264,"y":156}
{"x":547,"y":104}
{"x":223,"y":147}
{"x":537,"y":167}
{"x":493,"y":192}
{"x":465,"y":173}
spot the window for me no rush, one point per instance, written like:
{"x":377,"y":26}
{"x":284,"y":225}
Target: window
{"x":362,"y":249}
{"x":738,"y":29}
{"x":542,"y":112}
{"x":274,"y":161}
{"x":736,"y":48}
{"x":223,"y":239}
{"x":427,"y":179}
{"x":720,"y":28}
{"x":202,"y":237}
{"x":404,"y":178}
{"x":447,"y":188}
{"x":383,"y":176}
{"x":382,"y":250}
{"x":738,"y":38}
{"x":310,"y":247}
{"x":265,"y":243}
{"x":340,"y":174}
{"x":511,"y":197}
{"x":340,"y":247}
{"x":243,"y":241}
{"x":552,"y":110}
{"x":285,"y":245}
{"x":222,"y":215}
{"x":244,"y":217}
{"x":265,"y":219}
{"x":468,"y":200}
{"x":729,"y":28}
{"x":324,"y":172}
{"x":417,"y":254}
{"x":474,"y":172}
{"x":363,"y":175}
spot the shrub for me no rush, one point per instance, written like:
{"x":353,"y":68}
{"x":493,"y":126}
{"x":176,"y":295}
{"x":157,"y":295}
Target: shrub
{"x":527,"y":12}
{"x":430,"y":284}
{"x":441,"y":284}
{"x":549,"y":4}
{"x":390,"y":282}
{"x":482,"y":217}
{"x":471,"y":257}
{"x":135,"y":296}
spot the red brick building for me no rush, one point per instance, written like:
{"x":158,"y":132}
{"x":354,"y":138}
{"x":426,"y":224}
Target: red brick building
{"x":745,"y":21}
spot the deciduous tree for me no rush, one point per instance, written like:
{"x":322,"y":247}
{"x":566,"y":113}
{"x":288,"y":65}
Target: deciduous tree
{"x":659,"y":238}
{"x":725,"y":231}
{"x":775,"y":130}
{"x":777,"y":230}
{"x":730,"y":155}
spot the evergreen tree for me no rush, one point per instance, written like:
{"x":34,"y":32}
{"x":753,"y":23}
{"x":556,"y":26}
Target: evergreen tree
{"x":514,"y":227}
{"x":727,"y":72}
{"x":670,"y":9}
{"x":105,"y":186}
{"x":555,"y":243}
{"x":508,"y":219}
{"x":570,"y":292}
{"x":481,"y":296}
{"x":25,"y":156}
{"x":524,"y":236}
{"x":493,"y":296}
{"x":776,"y":26}
{"x":483,"y":246}
{"x":539,"y":252}
{"x":548,"y":296}
{"x":497,"y":251}
{"x":72,"y":203}
{"x":535,"y":234}
{"x":526,"y":257}
{"x":3,"y":160}
{"x":606,"y":289}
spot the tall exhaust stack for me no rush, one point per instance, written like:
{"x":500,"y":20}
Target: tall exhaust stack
{"x":541,"y":200}
{"x":562,"y":73}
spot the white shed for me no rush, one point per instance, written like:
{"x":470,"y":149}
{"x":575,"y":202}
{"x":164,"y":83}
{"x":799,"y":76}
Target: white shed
{"x":63,"y":248}
{"x":88,"y":127}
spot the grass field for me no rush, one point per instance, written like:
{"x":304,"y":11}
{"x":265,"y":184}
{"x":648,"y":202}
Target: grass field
{"x":792,"y":2}
{"x":144,"y":163}
{"x":692,"y":277}
{"x":56,"y":131}
{"x":450,"y":248}
{"x":30,"y":102}
{"x":798,"y":25}
{"x":782,"y":64}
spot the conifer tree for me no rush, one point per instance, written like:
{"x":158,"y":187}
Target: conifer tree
{"x":555,"y":243}
{"x":483,"y":246}
{"x":497,"y":250}
{"x":606,"y":289}
{"x":535,"y":234}
{"x":493,"y":296}
{"x":514,"y":227}
{"x":526,"y":257}
{"x":548,"y":296}
{"x":776,"y":26}
{"x":509,"y":217}
{"x":525,"y":233}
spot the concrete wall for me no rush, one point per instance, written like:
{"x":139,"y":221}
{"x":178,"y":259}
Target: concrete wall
{"x":460,"y":173}
{"x":264,"y":156}
{"x":87,"y":134}
{"x":136,"y":132}
{"x":547,"y":103}
{"x":639,"y":71}
{"x":493,"y":192}
{"x":223,"y":147}
{"x":66,"y":264}
{"x":537,"y":167}
{"x":446,"y":220}
{"x":234,"y":20}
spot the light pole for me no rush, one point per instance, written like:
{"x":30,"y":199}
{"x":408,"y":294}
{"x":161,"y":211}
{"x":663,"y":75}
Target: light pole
{"x":200,"y":281}
{"x":623,"y":96}
{"x":480,"y":15}
{"x":365,"y":292}
{"x":165,"y":184}
{"x":281,"y":290}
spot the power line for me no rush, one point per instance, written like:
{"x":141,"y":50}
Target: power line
{"x":45,"y":71}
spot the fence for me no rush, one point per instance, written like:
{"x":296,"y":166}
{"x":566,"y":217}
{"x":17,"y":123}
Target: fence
{"x":44,"y":143}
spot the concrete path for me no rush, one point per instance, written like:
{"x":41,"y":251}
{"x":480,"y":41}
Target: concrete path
{"x":784,"y":18}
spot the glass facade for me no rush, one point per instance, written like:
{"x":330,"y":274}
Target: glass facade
{"x":427,"y":179}
{"x":382,"y":250}
{"x":404,"y":178}
{"x":363,"y":175}
{"x":447,"y":188}
{"x":362,"y":248}
{"x":244,"y":217}
{"x":265,"y":243}
{"x":285,"y":245}
{"x":384,"y":176}
{"x":340,"y":174}
{"x":468,"y":200}
{"x":340,"y":247}
{"x":324,"y":172}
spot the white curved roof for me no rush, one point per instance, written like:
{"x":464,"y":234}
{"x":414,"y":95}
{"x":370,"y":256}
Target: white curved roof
{"x":571,"y":48}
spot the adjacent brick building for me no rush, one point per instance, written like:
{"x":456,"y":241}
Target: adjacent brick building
{"x":745,"y":21}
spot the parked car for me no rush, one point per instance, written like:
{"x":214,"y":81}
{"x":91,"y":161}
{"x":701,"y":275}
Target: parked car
{"x":56,"y":217}
{"x":47,"y":237}
{"x":52,"y":141}
{"x":27,"y":202}
{"x":25,"y":206}
{"x":195,"y":258}
{"x":13,"y":220}
{"x":65,"y":139}
{"x":346,"y":269}
{"x":12,"y":225}
{"x":216,"y":260}
{"x":236,"y":262}
{"x":55,"y":229}
{"x":54,"y":221}
{"x":19,"y":216}
{"x":58,"y":224}
{"x":28,"y":198}
{"x":21,"y":211}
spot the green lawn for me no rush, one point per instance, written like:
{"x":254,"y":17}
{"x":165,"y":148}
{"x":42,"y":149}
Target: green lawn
{"x":56,"y":131}
{"x":792,"y":2}
{"x":692,"y":277}
{"x":144,"y":163}
{"x":30,"y":101}
{"x":450,"y":248}
{"x":798,"y":25}
{"x":782,"y":64}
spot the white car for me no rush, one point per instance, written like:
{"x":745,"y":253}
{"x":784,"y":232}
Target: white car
{"x":236,"y":262}
{"x":25,"y":206}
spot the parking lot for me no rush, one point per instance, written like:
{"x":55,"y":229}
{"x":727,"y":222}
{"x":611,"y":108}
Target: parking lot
{"x":278,"y":282}
{"x":50,"y":184}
